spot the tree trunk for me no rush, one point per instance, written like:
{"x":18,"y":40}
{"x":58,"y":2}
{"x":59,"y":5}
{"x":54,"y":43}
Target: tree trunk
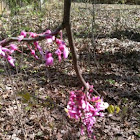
{"x":67,"y":23}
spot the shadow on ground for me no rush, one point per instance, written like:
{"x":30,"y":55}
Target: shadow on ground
{"x":125,"y":71}
{"x":119,"y":34}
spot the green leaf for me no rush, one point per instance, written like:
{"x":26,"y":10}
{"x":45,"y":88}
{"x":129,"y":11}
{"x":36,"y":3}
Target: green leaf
{"x":16,"y":64}
{"x":138,"y":134}
{"x":0,"y":106}
{"x":27,"y":108}
{"x":117,"y":108}
{"x":111,"y":109}
{"x":1,"y":70}
{"x":24,"y":67}
{"x":24,"y":101}
{"x":110,"y":81}
{"x":25,"y":96}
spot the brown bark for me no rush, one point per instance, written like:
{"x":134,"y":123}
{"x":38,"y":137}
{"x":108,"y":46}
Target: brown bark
{"x":67,"y":24}
{"x":66,"y":21}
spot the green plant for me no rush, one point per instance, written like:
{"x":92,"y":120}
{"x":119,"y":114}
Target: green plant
{"x":113,"y":109}
{"x":111,"y":81}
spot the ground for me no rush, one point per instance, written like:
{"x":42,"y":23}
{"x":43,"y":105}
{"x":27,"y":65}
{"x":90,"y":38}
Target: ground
{"x":33,"y":97}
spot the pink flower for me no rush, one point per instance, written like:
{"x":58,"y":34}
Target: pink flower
{"x":32,"y":34}
{"x":11,"y":60}
{"x":61,"y":44}
{"x":23,"y":33}
{"x":37,"y":46}
{"x":58,"y":41}
{"x":50,"y":38}
{"x":65,"y":52}
{"x":36,"y":43}
{"x":13,"y":47}
{"x":58,"y":52}
{"x":6,"y":50}
{"x":73,"y":114}
{"x":2,"y":53}
{"x":85,"y":108}
{"x":95,"y":98}
{"x":62,"y":47}
{"x":20,"y":37}
{"x":102,"y":105}
{"x":101,"y":114}
{"x":48,"y":31}
{"x":33,"y":53}
{"x":49,"y":59}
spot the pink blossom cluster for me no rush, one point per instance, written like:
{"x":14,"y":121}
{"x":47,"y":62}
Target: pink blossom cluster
{"x":47,"y":56}
{"x":85,"y":107}
{"x":7,"y":51}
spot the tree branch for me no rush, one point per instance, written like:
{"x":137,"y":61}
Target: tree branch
{"x":66,"y":20}
{"x":29,"y":40}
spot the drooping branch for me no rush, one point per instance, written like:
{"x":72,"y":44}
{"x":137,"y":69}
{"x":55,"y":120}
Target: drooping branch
{"x":29,"y":40}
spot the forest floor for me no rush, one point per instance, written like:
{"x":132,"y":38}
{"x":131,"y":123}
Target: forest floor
{"x":33,"y":97}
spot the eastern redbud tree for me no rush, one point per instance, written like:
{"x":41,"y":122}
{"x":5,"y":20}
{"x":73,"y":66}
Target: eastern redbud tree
{"x":82,"y":105}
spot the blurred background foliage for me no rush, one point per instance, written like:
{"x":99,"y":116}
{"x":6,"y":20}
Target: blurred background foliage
{"x":15,"y":5}
{"x":110,"y":1}
{"x":37,"y":15}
